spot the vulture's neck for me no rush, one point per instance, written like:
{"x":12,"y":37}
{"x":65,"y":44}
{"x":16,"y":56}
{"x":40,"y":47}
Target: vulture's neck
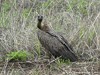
{"x":39,"y":25}
{"x":43,"y":27}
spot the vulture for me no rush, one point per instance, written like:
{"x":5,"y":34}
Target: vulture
{"x":55,"y":44}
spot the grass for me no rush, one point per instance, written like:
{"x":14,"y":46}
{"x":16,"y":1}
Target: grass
{"x":78,"y":20}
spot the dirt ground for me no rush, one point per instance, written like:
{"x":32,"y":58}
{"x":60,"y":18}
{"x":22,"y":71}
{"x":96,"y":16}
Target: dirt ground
{"x":47,"y":68}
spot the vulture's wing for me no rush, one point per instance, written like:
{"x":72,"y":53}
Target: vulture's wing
{"x":61,"y":39}
{"x":67,"y":44}
{"x":67,"y":50}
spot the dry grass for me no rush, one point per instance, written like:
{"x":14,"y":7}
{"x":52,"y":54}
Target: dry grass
{"x":77,"y":20}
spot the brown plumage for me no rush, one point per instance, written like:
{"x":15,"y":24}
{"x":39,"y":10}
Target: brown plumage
{"x":54,"y":43}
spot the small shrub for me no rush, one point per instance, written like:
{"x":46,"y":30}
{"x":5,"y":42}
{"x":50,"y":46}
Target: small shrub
{"x":18,"y":56}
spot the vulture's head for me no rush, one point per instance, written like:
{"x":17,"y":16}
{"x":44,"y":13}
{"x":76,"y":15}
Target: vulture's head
{"x":40,"y":18}
{"x":43,"y":25}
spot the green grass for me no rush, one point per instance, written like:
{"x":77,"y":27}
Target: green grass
{"x":38,"y":48}
{"x":6,"y":6}
{"x":78,"y":6}
{"x":61,"y":62}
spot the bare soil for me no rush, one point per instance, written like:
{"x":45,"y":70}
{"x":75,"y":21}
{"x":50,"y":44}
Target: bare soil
{"x":44,"y":68}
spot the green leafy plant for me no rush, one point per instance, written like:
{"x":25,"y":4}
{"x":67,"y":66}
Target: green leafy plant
{"x":18,"y":55}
